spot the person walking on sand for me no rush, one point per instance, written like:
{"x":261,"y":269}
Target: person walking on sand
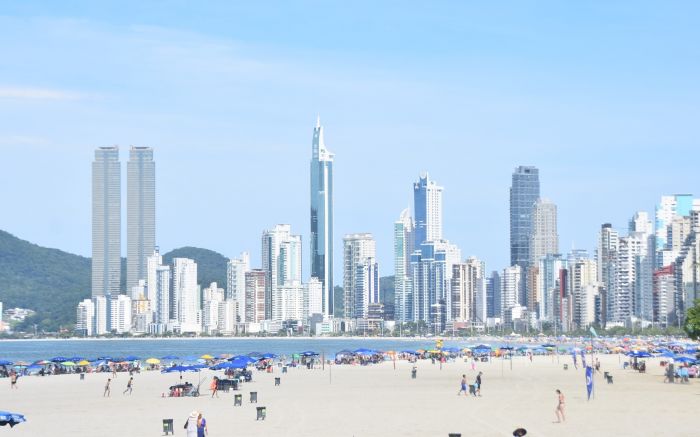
{"x":129,"y":386}
{"x":13,"y":379}
{"x":202,"y":430}
{"x":107,"y":391}
{"x":477,"y":383}
{"x":463,"y":386}
{"x":560,"y":407}
{"x":214,"y":387}
{"x":192,"y":423}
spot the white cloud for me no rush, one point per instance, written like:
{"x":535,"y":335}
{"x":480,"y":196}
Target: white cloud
{"x":9,"y":92}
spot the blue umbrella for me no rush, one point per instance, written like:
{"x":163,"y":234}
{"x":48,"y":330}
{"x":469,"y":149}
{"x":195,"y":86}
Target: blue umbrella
{"x":5,"y":363}
{"x":107,"y":358}
{"x":170,"y":357}
{"x":131,"y":358}
{"x":683,"y":359}
{"x":12,"y":419}
{"x":76,"y":359}
{"x":269,"y":356}
{"x":308,"y":353}
{"x":236,"y":364}
{"x":248,"y":360}
{"x":180,"y":369}
{"x":59,"y":359}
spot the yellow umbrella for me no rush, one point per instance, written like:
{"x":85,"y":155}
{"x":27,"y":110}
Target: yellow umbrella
{"x":83,"y":363}
{"x":206,"y":357}
{"x":153,"y":361}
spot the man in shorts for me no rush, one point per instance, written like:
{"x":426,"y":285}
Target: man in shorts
{"x":463,"y":386}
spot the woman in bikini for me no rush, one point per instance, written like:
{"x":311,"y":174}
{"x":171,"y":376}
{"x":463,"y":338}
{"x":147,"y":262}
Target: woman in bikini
{"x":560,"y":407}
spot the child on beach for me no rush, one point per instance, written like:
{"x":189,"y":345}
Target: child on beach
{"x":129,"y":386}
{"x":463,"y":386}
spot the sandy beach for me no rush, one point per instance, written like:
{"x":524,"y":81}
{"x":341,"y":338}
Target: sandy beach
{"x":373,"y":400}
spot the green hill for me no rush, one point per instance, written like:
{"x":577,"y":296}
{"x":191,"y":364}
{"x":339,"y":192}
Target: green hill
{"x":52,"y":282}
{"x":48,"y":281}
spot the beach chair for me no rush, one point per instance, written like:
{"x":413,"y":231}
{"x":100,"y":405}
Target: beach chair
{"x":261,"y":413}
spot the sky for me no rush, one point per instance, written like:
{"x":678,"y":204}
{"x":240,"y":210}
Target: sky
{"x":601,"y":96}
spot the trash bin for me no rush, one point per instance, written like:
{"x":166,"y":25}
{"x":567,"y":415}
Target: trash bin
{"x":253,"y":397}
{"x":237,"y":400}
{"x":566,"y":367}
{"x":414,"y":371}
{"x":82,"y":377}
{"x":284,"y":369}
{"x":262,"y":413}
{"x":277,"y":381}
{"x":234,"y":384}
{"x":168,"y":427}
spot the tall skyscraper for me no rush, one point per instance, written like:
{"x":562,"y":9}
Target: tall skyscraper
{"x":322,"y":216}
{"x":255,"y":296}
{"x":510,"y":284}
{"x":360,"y":276}
{"x":606,"y":256}
{"x":469,"y":291}
{"x":153,"y":262}
{"x":403,"y":247}
{"x":140,"y":213}
{"x":106,"y":222}
{"x":524,"y":192}
{"x":493,"y":295}
{"x":427,"y":205}
{"x":281,"y":261}
{"x":678,"y":205}
{"x":544,"y":239}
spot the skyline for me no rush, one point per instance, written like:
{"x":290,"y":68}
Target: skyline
{"x":594,"y":108}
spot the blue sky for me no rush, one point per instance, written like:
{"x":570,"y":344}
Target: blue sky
{"x":602,"y":96}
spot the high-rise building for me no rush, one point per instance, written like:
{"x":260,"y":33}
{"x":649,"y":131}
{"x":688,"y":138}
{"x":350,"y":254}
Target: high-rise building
{"x":322,"y":216}
{"x":153,"y":262}
{"x":431,"y":269}
{"x":584,"y":289}
{"x":427,"y":206}
{"x":281,"y":261}
{"x":235,"y":284}
{"x":359,"y":271}
{"x":186,"y":314}
{"x":288,"y":302}
{"x":161,"y":301}
{"x":548,"y":282}
{"x":641,"y":228}
{"x":85,"y":315}
{"x":544,"y":239}
{"x":524,"y":192}
{"x":140,"y":213}
{"x":607,"y":254}
{"x":403,"y":247}
{"x":101,"y":319}
{"x":510,"y":284}
{"x":313,"y":298}
{"x":493,"y":295}
{"x":468,"y":291}
{"x":255,"y":296}
{"x":120,"y":317}
{"x":678,"y":205}
{"x":106,"y":222}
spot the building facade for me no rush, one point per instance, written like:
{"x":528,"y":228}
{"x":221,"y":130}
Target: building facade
{"x":106,"y":222}
{"x":140,"y":213}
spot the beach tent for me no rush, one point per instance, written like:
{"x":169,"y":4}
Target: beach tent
{"x":12,"y":419}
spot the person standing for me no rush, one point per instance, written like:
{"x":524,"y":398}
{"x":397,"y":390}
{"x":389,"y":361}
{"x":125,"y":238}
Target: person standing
{"x":107,"y":391}
{"x":192,"y":423}
{"x":202,"y":430}
{"x":13,"y":379}
{"x":214,"y":387}
{"x":129,"y":386}
{"x":560,"y":407}
{"x":463,"y":386}
{"x":477,"y":383}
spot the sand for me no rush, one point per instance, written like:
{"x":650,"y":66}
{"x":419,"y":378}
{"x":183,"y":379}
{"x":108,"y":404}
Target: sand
{"x":368,"y":401}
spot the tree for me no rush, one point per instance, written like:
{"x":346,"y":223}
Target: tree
{"x":692,"y":321}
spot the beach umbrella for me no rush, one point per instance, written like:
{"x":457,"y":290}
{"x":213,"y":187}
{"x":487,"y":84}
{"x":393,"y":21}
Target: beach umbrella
{"x":683,"y":359}
{"x":59,"y":359}
{"x":76,"y":359}
{"x":42,"y":362}
{"x":153,"y":361}
{"x":235,"y":364}
{"x":255,"y":355}
{"x":170,"y":357}
{"x":207,"y":357}
{"x":308,"y":353}
{"x":5,"y":363}
{"x":83,"y":363}
{"x":248,"y":360}
{"x":131,"y":358}
{"x":180,"y":369}
{"x":104,"y":359}
{"x":269,"y":356}
{"x":12,"y":419}
{"x":68,"y":363}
